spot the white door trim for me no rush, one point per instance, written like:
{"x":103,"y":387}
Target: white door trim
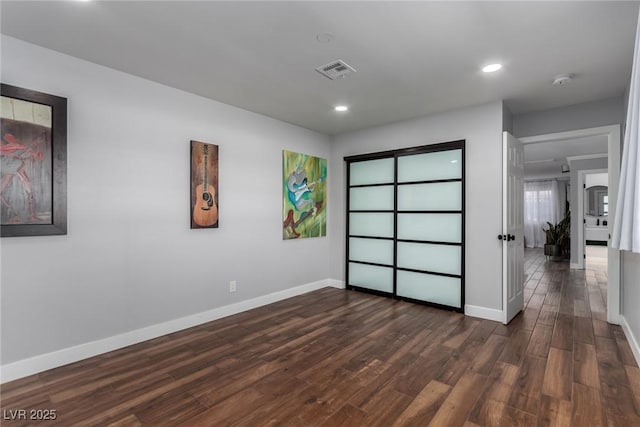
{"x":612,"y":133}
{"x":578,"y":133}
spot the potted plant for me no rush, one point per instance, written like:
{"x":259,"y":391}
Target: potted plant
{"x":558,"y":236}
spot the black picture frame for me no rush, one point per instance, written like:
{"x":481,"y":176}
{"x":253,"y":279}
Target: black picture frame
{"x":55,"y":183}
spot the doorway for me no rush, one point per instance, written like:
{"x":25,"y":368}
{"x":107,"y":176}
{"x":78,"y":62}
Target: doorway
{"x":612,"y":134}
{"x":596,"y":220}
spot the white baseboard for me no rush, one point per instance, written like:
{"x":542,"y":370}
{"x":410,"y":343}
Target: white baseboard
{"x":483,"y":313}
{"x":33,"y":365}
{"x":614,"y":319}
{"x":335,"y":283}
{"x":633,"y":340}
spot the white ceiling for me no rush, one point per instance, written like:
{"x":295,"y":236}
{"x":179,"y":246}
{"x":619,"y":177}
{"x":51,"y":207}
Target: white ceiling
{"x":545,"y":159}
{"x":412,"y":58}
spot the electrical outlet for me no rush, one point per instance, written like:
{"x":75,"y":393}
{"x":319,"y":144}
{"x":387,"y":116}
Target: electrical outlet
{"x":233,"y":286}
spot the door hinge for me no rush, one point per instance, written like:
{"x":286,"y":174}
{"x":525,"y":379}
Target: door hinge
{"x":584,"y":185}
{"x":584,"y":256}
{"x":584,"y":221}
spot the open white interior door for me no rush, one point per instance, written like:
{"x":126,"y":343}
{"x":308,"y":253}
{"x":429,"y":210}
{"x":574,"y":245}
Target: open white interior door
{"x":512,"y":226}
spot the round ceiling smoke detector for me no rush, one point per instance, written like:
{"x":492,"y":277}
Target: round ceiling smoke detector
{"x":563,"y":79}
{"x":325,"y":37}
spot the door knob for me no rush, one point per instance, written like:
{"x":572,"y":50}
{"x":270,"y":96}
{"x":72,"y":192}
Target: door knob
{"x":511,"y":237}
{"x":502,"y":237}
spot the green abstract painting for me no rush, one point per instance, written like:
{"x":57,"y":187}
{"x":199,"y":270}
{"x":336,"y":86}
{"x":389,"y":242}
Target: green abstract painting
{"x":304,"y":207}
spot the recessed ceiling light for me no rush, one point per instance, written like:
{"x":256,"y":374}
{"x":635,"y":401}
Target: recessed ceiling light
{"x":491,"y":68}
{"x":454,"y":161}
{"x":341,"y":108}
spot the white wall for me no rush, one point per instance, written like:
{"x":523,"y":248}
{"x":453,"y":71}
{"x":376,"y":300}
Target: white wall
{"x":481,"y":127}
{"x":596,"y":179}
{"x":630,"y":280}
{"x":631,"y":299}
{"x":130,"y":259}
{"x":581,"y":116}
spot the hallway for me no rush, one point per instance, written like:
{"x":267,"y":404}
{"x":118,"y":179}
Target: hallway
{"x":589,"y":362}
{"x":596,"y":258}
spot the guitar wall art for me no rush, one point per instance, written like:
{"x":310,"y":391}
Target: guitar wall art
{"x":204,"y":185}
{"x":304,"y":196}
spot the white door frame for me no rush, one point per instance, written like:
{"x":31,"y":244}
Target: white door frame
{"x":612,"y":133}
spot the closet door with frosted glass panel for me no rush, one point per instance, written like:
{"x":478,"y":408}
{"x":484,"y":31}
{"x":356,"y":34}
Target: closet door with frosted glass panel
{"x":430,"y":227}
{"x":370,"y":241}
{"x":406,"y":224}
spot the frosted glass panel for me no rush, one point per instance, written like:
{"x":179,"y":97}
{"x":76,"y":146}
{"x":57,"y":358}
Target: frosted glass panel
{"x":371,"y":198}
{"x":434,"y":227}
{"x":430,"y":288}
{"x":371,"y":224}
{"x":371,"y":277}
{"x":430,"y":166}
{"x":443,"y":196}
{"x":371,"y":250}
{"x":371,"y":172}
{"x":423,"y":256}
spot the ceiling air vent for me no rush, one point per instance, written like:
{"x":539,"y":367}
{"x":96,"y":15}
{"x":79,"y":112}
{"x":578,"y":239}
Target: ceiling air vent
{"x":336,"y":69}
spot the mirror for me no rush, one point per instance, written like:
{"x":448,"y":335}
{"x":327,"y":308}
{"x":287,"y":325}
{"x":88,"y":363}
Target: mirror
{"x":597,"y":201}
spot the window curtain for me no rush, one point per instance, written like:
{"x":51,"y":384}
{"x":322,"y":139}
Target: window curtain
{"x":561,"y":208}
{"x":540,"y":205}
{"x":626,"y":227}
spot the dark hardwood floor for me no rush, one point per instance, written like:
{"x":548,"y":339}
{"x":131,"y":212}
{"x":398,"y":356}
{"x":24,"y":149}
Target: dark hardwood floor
{"x":342,"y":358}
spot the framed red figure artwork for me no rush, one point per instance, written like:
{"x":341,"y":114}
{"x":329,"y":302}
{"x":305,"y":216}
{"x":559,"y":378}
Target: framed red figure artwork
{"x":33,"y":156}
{"x":204,"y":185}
